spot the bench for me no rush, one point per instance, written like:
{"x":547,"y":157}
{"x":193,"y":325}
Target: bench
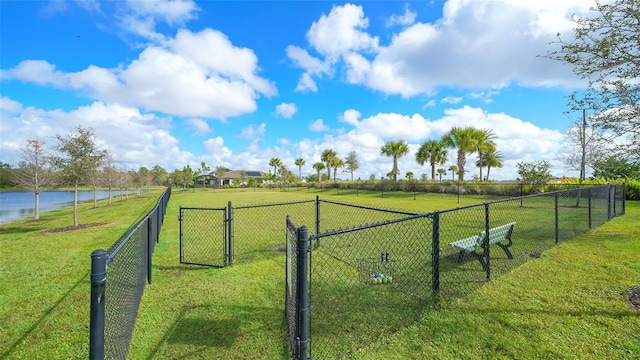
{"x":496,"y":236}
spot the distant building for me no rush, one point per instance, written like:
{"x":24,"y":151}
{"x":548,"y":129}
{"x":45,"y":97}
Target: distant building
{"x":228,"y":177}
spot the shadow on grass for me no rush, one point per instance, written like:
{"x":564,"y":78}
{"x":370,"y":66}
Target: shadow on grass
{"x":198,"y":330}
{"x":45,"y":315}
{"x":20,"y":229}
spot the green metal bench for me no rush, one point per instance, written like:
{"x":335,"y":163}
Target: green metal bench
{"x":496,"y":236}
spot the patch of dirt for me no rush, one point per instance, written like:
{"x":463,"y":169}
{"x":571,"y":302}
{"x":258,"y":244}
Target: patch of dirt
{"x":71,"y":228}
{"x":634,"y":297}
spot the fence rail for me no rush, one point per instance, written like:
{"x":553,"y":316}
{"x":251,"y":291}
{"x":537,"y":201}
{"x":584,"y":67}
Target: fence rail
{"x":118,"y":277}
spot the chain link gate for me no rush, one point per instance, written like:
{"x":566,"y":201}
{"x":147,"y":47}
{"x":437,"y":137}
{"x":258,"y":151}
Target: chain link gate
{"x":203,"y":236}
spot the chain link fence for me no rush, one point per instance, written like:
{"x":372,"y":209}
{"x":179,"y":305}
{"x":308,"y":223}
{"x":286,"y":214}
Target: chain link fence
{"x":203,"y":234}
{"x":256,"y":231}
{"x":369,"y":280}
{"x":118,"y":278}
{"x":291,"y":291}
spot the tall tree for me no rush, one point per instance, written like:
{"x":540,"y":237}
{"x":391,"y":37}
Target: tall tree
{"x":442,"y":171}
{"x":276,"y":163}
{"x":464,"y":140}
{"x":187,"y":177}
{"x":319,"y":167}
{"x":204,"y":170}
{"x":159,"y":175}
{"x":396,"y":150}
{"x":219,"y":173}
{"x":490,"y":159}
{"x":604,"y":51}
{"x":327,"y":156}
{"x":109,"y":172}
{"x":613,"y":167}
{"x":587,"y":146}
{"x":454,"y":171}
{"x":409,"y":176}
{"x":78,"y":160}
{"x":300,"y":163}
{"x":434,"y":152}
{"x":352,"y":163}
{"x":336,"y":163}
{"x":483,"y":143}
{"x":534,"y":173}
{"x":34,"y":173}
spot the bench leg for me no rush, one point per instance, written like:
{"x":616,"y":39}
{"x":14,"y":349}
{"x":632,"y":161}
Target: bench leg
{"x":506,"y":250}
{"x":485,"y":267}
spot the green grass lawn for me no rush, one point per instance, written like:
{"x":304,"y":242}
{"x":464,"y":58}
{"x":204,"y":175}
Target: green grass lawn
{"x":570,"y":303}
{"x":44,"y":277}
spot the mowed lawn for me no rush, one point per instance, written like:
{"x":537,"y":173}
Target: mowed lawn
{"x":570,"y":303}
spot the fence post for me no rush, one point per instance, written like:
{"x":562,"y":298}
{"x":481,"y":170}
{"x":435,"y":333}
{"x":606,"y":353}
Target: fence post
{"x":225,"y":243}
{"x":180,"y":221}
{"x":435,"y":255}
{"x":624,"y":198}
{"x":150,"y":244}
{"x":485,"y":242}
{"x":96,"y":322}
{"x":556,"y":215}
{"x":303,"y":292}
{"x":317,"y":219}
{"x":230,"y":231}
{"x":589,"y":194}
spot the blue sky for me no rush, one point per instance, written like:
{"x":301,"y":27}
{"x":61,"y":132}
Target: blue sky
{"x":235,"y":83}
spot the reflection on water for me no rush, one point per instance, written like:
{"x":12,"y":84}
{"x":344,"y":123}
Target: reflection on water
{"x":16,"y":205}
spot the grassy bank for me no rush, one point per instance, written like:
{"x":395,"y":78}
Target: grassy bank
{"x":44,"y":276}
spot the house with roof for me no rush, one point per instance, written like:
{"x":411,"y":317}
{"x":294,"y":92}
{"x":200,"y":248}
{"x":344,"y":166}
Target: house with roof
{"x":227,"y":179}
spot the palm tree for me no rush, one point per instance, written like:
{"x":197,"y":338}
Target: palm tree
{"x":454,"y":171}
{"x":319,"y":167}
{"x":464,"y":140}
{"x":326,"y":157}
{"x":276,"y":163}
{"x":409,"y":176}
{"x":336,"y":163}
{"x":490,"y":159}
{"x":434,"y":152}
{"x":395,"y":149}
{"x":300,"y":163}
{"x":441,"y":172}
{"x":484,"y":142}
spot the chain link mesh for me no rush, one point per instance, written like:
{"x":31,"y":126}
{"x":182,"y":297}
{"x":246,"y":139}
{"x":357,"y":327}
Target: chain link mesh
{"x":126,"y":278}
{"x":291,"y":310}
{"x":341,"y":215}
{"x":367,"y":282}
{"x":202,"y":236}
{"x":257,"y":229}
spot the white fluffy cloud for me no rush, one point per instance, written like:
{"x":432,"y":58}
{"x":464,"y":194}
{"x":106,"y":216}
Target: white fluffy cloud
{"x":408,"y":18}
{"x":253,"y":132}
{"x":286,"y":110}
{"x":456,"y":47}
{"x":133,"y":137}
{"x":193,"y":75}
{"x":141,"y":17}
{"x":318,"y":125}
{"x":200,"y":126}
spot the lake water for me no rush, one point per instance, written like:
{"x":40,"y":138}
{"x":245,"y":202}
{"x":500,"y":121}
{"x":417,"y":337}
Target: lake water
{"x":16,"y":205}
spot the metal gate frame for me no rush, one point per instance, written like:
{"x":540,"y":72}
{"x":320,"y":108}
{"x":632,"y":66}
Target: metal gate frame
{"x":206,"y":238}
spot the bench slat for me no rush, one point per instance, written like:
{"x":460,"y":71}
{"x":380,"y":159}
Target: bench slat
{"x":474,"y":243}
